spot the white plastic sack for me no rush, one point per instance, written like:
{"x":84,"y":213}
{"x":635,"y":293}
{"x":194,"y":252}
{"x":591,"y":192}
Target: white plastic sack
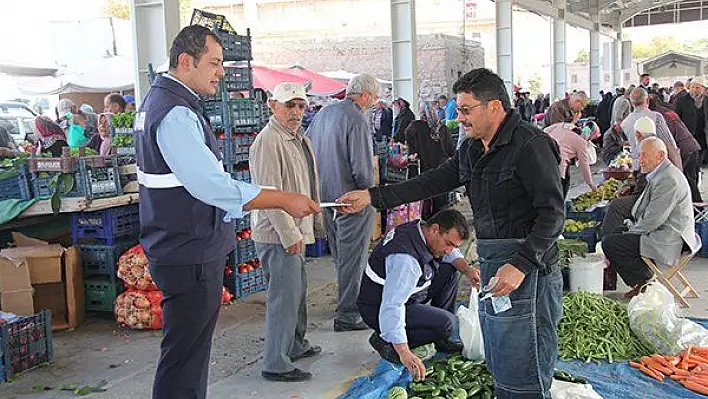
{"x":470,"y":330}
{"x":569,"y":390}
{"x":654,"y":319}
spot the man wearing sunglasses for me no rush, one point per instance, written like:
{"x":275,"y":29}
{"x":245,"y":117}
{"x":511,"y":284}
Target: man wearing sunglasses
{"x":510,"y":170}
{"x":283,"y":159}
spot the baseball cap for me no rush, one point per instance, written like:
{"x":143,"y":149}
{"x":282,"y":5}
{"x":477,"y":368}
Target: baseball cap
{"x":287,"y":91}
{"x":645,"y":126}
{"x":129,"y":99}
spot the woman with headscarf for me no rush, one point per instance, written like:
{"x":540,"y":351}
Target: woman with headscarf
{"x":403,"y":119}
{"x":430,"y":142}
{"x":51,"y":138}
{"x":101,"y":141}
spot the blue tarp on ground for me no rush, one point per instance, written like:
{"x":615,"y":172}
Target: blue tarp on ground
{"x":610,"y":380}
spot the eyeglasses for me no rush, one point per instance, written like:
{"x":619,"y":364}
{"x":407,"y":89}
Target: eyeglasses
{"x":466,"y":110}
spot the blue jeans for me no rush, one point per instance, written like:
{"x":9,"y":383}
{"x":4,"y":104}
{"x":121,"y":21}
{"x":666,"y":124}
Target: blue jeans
{"x":521,"y":344}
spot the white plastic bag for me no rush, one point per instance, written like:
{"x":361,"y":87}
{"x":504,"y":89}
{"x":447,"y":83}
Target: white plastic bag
{"x":470,"y":330}
{"x":569,"y":390}
{"x":653,"y":318}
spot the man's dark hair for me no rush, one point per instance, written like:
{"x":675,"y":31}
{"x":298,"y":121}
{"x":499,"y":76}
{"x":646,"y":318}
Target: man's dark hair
{"x":644,"y":75}
{"x":442,"y":97}
{"x":485,"y":85}
{"x":118,"y":99}
{"x":654,"y":102}
{"x":192,"y":41}
{"x":449,"y":219}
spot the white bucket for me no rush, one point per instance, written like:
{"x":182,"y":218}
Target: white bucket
{"x":587,"y":274}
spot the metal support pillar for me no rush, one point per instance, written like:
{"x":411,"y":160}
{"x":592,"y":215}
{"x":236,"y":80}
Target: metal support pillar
{"x":155,"y":24}
{"x":558,"y":74}
{"x":505,"y":58}
{"x":404,"y":52}
{"x":617,"y":59}
{"x":595,"y":57}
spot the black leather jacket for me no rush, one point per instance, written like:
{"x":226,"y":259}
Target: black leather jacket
{"x":514,"y":190}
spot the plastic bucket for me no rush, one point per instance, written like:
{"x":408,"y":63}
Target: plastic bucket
{"x":587,"y":274}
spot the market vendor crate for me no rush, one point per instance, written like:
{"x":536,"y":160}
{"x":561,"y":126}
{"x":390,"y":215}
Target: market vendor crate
{"x":91,"y":179}
{"x":236,"y":47}
{"x":318,"y":249}
{"x":15,"y":184}
{"x":597,"y":214}
{"x":241,"y":174}
{"x":242,"y":223}
{"x":245,"y":250}
{"x":395,"y":174}
{"x":588,"y":235}
{"x":242,"y":285}
{"x":66,"y":164}
{"x":237,"y":78}
{"x":214,"y":110}
{"x":25,"y":343}
{"x":101,"y":293}
{"x":247,"y":112}
{"x":702,"y":231}
{"x":107,"y":225}
{"x":102,"y":260}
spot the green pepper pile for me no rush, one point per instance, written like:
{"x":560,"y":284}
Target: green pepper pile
{"x":454,"y":378}
{"x":124,"y":120}
{"x":595,"y":328}
{"x":122,"y":140}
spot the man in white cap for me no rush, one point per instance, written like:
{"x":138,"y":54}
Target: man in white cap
{"x":643,"y":128}
{"x":281,"y":157}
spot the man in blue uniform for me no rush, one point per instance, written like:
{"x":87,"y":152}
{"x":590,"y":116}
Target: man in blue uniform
{"x":187,"y":204}
{"x":409,"y":288}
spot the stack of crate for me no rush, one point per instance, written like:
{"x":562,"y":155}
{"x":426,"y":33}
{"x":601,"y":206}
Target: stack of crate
{"x":103,"y":236}
{"x":235,"y":122}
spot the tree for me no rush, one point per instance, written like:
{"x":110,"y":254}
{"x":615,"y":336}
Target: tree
{"x":657,"y":45}
{"x":535,"y":84}
{"x":117,"y":8}
{"x":583,"y":56}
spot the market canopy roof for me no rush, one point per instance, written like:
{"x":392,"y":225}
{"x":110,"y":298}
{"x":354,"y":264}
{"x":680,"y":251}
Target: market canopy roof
{"x":321,"y":85}
{"x":267,"y":78}
{"x":99,"y":76}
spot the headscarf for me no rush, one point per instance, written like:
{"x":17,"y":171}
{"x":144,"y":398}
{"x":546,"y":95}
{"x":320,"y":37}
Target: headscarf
{"x":49,"y":132}
{"x":427,"y":115}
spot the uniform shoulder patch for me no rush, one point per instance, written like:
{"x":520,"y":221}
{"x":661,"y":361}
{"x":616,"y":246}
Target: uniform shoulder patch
{"x":139,"y":123}
{"x":389,"y":236}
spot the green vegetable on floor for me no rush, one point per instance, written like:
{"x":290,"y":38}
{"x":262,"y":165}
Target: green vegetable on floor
{"x":595,"y":328}
{"x":397,"y":393}
{"x":454,"y":378}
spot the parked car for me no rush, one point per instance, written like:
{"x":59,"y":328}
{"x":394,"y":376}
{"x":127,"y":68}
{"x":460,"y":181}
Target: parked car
{"x":18,"y":118}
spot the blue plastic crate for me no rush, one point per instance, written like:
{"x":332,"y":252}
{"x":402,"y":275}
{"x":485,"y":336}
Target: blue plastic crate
{"x":107,"y":226}
{"x":247,"y":112}
{"x":245,"y":250}
{"x":102,"y":260}
{"x":250,"y":283}
{"x":702,"y":231}
{"x":237,"y":78}
{"x":318,"y":249}
{"x":243,"y":223}
{"x":17,"y":186}
{"x":587,"y":235}
{"x":25,"y":343}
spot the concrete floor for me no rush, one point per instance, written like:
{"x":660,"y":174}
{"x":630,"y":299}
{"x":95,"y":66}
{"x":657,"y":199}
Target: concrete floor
{"x":126,"y":360}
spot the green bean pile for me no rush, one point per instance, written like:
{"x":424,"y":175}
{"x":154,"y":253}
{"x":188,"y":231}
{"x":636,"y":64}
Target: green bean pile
{"x":595,"y":328}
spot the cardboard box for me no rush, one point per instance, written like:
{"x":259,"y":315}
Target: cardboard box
{"x":378,"y":229}
{"x":35,"y":275}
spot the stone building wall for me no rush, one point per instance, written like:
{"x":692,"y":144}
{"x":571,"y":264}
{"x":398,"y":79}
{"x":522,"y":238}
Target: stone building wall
{"x":441,"y":58}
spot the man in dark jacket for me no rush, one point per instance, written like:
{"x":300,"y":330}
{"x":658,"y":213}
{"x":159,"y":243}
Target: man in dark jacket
{"x":510,"y":170}
{"x":684,"y":106}
{"x":383,"y":122}
{"x":687,"y":144}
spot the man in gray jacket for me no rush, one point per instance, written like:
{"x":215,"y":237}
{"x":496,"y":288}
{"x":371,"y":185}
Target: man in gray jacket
{"x":344,"y":154}
{"x":661,"y":224}
{"x":282,"y":158}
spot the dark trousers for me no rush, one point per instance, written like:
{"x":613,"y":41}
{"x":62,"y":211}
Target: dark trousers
{"x":434,"y":205}
{"x":190,"y":308}
{"x":622,"y":250}
{"x":617,"y":211}
{"x":426,"y":323}
{"x":565,"y":181}
{"x":691,"y":167}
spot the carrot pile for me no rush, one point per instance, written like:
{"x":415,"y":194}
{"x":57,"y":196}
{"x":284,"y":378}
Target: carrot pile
{"x":690,"y":368}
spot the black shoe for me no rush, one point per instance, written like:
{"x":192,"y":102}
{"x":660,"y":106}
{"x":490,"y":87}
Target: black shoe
{"x":448,"y":346}
{"x":341,"y":327}
{"x":296,"y":375}
{"x":384,"y":349}
{"x":313,"y":351}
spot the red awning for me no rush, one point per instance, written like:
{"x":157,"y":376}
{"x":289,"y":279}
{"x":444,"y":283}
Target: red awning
{"x":320,"y":84}
{"x":266,"y":78}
